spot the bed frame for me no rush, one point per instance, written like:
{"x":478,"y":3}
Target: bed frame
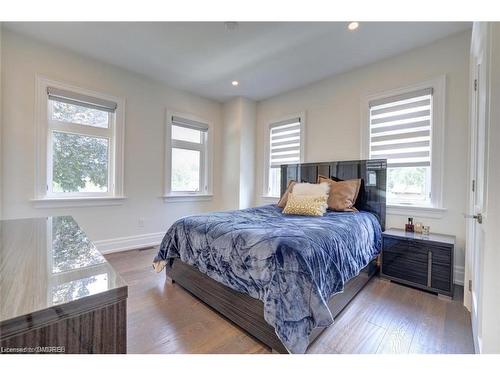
{"x":248,"y":312}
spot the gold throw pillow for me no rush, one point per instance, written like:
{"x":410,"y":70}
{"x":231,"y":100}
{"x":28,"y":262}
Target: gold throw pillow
{"x":307,"y":205}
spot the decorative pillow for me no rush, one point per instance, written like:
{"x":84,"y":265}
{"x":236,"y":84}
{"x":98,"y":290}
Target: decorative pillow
{"x":284,"y":197}
{"x":343,"y":194}
{"x":306,"y":188}
{"x":306,"y":205}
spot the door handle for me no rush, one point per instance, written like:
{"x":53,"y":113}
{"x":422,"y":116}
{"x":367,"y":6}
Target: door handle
{"x":478,"y":217}
{"x":429,"y":269}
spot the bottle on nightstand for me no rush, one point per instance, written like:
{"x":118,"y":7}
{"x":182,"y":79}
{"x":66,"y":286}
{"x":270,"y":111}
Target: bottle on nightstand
{"x":409,"y":227}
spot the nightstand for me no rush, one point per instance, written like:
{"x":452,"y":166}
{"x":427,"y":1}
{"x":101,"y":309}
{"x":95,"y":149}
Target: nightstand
{"x":422,"y":261}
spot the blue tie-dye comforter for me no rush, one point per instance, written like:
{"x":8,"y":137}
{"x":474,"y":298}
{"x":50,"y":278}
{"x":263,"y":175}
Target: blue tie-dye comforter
{"x":293,"y":264}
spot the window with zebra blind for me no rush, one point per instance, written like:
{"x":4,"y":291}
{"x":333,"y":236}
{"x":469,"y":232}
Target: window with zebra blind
{"x":285,"y":147}
{"x":402,"y":129}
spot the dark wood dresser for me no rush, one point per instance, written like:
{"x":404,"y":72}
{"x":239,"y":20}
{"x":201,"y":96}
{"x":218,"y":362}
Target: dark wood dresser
{"x":57,"y":292}
{"x":423,"y":261}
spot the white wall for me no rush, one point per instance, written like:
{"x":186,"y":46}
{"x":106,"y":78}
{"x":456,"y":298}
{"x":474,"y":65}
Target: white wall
{"x":333,"y":121}
{"x":247,"y":152}
{"x":231,"y":154}
{"x":146,"y":103}
{"x":239,"y":153}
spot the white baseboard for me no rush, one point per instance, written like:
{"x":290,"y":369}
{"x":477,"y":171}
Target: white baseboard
{"x":115,"y":245}
{"x":459,"y":274}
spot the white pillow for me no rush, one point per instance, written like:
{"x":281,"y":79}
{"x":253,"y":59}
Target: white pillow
{"x":306,"y":188}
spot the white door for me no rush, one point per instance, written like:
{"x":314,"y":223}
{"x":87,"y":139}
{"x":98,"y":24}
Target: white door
{"x":476,"y":217}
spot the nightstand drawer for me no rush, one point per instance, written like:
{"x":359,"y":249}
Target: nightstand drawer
{"x":402,"y":260}
{"x":403,"y":265}
{"x":440,"y":255}
{"x":441,"y":277}
{"x":406,"y":249}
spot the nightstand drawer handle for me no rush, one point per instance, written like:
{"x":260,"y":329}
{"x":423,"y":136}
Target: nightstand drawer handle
{"x":429,"y":268}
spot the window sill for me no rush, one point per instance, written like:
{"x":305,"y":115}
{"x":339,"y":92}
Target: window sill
{"x":269,"y":199}
{"x":429,"y":212}
{"x":77,"y":202}
{"x":187,"y":197}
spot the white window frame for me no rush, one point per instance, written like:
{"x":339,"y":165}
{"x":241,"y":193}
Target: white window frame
{"x":267,"y":135}
{"x":206,"y":168}
{"x":438,"y":85}
{"x":44,"y":197}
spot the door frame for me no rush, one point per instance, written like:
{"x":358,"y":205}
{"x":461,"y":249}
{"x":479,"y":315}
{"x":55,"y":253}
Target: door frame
{"x":479,"y":54}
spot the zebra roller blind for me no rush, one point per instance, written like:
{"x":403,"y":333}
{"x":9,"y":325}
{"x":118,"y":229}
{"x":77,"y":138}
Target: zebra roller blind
{"x":285,"y":141}
{"x":401,"y":129}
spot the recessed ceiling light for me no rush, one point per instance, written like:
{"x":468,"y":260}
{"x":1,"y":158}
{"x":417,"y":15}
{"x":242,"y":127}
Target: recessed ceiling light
{"x":353,"y":26}
{"x":235,"y":83}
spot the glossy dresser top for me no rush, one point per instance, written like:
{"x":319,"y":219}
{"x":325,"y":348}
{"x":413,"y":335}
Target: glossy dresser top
{"x":48,"y":263}
{"x":432,"y":237}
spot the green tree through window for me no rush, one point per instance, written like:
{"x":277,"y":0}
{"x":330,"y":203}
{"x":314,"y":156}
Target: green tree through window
{"x":80,"y":163}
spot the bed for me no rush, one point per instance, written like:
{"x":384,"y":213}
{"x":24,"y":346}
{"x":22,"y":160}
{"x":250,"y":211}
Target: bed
{"x":282,"y":278}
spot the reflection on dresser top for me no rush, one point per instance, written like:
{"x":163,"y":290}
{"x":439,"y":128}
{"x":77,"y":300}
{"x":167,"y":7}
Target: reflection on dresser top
{"x":49,"y":262}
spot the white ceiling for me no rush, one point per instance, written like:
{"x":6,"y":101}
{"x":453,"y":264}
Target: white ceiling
{"x":267,"y":58}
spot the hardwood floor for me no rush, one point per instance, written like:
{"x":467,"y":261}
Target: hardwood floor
{"x":383,"y":318}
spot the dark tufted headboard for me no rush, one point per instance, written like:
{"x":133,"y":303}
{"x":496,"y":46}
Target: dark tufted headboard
{"x":373,"y":172}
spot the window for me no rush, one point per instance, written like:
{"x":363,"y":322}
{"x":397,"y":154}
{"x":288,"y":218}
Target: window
{"x":285,"y":147}
{"x":80,"y":140}
{"x":80,"y":143}
{"x":406,"y":129}
{"x":189,"y":161}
